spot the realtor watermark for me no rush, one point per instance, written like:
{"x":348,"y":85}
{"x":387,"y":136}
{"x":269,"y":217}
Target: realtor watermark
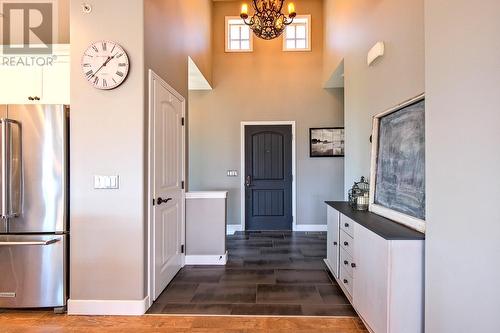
{"x":27,"y":33}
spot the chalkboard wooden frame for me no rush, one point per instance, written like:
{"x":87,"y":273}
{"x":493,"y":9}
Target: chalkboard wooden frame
{"x":409,"y":221}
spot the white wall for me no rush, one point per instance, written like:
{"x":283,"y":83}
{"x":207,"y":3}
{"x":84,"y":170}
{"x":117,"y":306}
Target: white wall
{"x":463,"y":164}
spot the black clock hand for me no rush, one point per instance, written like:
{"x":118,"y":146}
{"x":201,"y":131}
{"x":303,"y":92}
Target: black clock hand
{"x":104,"y":64}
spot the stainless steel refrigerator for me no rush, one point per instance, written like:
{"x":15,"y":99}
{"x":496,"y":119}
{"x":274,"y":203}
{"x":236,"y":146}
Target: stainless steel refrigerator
{"x":34,"y":205}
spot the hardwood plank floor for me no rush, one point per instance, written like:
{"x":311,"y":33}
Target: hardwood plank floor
{"x":47,"y":322}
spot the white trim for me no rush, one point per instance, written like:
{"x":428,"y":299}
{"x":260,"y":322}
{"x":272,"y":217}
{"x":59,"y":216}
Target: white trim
{"x":309,"y":34}
{"x":206,"y":195}
{"x":206,"y":259}
{"x":226,"y":36}
{"x":196,"y":79}
{"x":407,"y":220}
{"x":152,"y":75}
{"x":232,"y":228}
{"x":294,"y":163}
{"x":108,"y":307}
{"x":310,"y":227}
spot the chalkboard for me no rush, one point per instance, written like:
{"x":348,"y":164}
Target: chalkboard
{"x":400,"y":161}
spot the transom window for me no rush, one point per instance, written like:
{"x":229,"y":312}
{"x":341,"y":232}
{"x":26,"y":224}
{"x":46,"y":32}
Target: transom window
{"x":238,"y":36}
{"x":297,"y":36}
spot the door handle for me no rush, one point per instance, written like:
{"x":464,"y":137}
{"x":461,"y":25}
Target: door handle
{"x":41,"y":243}
{"x":248,"y":181}
{"x":160,"y":200}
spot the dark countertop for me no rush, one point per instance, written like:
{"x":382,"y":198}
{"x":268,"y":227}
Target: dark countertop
{"x":382,"y":226}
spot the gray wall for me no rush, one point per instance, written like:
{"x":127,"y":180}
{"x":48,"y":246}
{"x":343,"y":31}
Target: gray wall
{"x":206,"y":226}
{"x":351,"y":29}
{"x":109,"y":135}
{"x":268,"y":84}
{"x":107,"y":131}
{"x":463,"y":162}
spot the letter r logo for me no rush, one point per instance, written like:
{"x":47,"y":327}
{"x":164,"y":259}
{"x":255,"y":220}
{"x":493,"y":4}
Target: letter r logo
{"x":27,"y":28}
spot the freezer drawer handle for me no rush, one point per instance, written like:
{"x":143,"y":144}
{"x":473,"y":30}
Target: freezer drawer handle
{"x":40,"y":243}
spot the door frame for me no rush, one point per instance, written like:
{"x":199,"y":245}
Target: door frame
{"x":243,"y":171}
{"x":152,"y":76}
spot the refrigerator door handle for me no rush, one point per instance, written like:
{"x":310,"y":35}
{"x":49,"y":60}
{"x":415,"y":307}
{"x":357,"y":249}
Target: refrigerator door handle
{"x":12,"y":189}
{"x":40,"y":243}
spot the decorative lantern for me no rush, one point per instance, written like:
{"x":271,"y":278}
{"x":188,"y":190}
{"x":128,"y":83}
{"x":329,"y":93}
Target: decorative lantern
{"x":359,"y":195}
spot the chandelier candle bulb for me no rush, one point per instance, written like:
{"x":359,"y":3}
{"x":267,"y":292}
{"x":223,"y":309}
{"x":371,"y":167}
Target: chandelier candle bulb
{"x":244,"y":11}
{"x":291,"y":10}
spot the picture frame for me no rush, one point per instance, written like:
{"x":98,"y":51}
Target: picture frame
{"x":401,"y":201}
{"x":326,"y":142}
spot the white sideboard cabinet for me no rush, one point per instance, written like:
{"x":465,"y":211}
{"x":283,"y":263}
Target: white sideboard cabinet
{"x":36,"y":79}
{"x":379,"y":264}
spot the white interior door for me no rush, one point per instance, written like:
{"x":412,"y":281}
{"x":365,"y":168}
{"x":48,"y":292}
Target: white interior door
{"x":168,"y":173}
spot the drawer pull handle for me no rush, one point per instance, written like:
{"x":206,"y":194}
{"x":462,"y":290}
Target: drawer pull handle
{"x":27,"y":243}
{"x":335,"y":243}
{"x":346,"y":262}
{"x":345,"y":281}
{"x":31,"y":98}
{"x":353,"y":265}
{"x":346,"y":243}
{"x":346,"y":225}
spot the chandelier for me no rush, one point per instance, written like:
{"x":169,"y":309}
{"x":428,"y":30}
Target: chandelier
{"x":268,"y":21}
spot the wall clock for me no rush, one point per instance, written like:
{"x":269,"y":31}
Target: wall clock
{"x":105,"y":65}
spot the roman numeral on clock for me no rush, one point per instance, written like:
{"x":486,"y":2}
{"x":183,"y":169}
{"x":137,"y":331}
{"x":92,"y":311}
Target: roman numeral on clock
{"x":119,"y":74}
{"x":89,"y":74}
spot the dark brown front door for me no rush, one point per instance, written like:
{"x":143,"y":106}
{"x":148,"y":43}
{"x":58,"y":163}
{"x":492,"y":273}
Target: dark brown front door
{"x":268,"y":177}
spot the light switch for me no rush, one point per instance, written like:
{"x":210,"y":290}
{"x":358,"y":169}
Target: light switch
{"x":106,"y":182}
{"x":232,"y":173}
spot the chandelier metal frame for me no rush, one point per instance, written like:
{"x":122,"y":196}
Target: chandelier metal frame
{"x":268,"y":21}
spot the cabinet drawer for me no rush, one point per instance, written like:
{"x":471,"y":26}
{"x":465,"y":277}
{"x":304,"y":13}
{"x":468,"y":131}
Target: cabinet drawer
{"x":346,"y":242}
{"x":347,"y":225}
{"x":346,"y":261}
{"x":346,"y":280}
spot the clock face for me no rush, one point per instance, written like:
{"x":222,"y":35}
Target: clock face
{"x":105,"y":65}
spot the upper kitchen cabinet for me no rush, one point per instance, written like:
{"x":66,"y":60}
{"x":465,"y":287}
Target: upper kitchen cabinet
{"x":36,"y":79}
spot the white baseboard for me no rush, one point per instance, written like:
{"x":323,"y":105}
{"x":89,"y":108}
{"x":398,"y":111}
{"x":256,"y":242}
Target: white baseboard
{"x":108,"y":307}
{"x":310,"y":227}
{"x":232,"y":228}
{"x":206,"y":259}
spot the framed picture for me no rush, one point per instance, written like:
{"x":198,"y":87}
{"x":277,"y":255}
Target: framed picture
{"x":397,"y":173}
{"x":326,"y":142}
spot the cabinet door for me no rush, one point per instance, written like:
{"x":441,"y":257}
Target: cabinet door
{"x":19,"y":83}
{"x":56,"y":81}
{"x":333,"y":240}
{"x":370,"y":285}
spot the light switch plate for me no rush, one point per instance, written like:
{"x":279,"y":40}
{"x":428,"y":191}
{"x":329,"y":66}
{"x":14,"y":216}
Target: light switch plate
{"x":106,"y":182}
{"x":232,"y":173}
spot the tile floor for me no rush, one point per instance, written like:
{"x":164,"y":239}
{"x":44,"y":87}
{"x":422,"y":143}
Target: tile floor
{"x":268,"y":273}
